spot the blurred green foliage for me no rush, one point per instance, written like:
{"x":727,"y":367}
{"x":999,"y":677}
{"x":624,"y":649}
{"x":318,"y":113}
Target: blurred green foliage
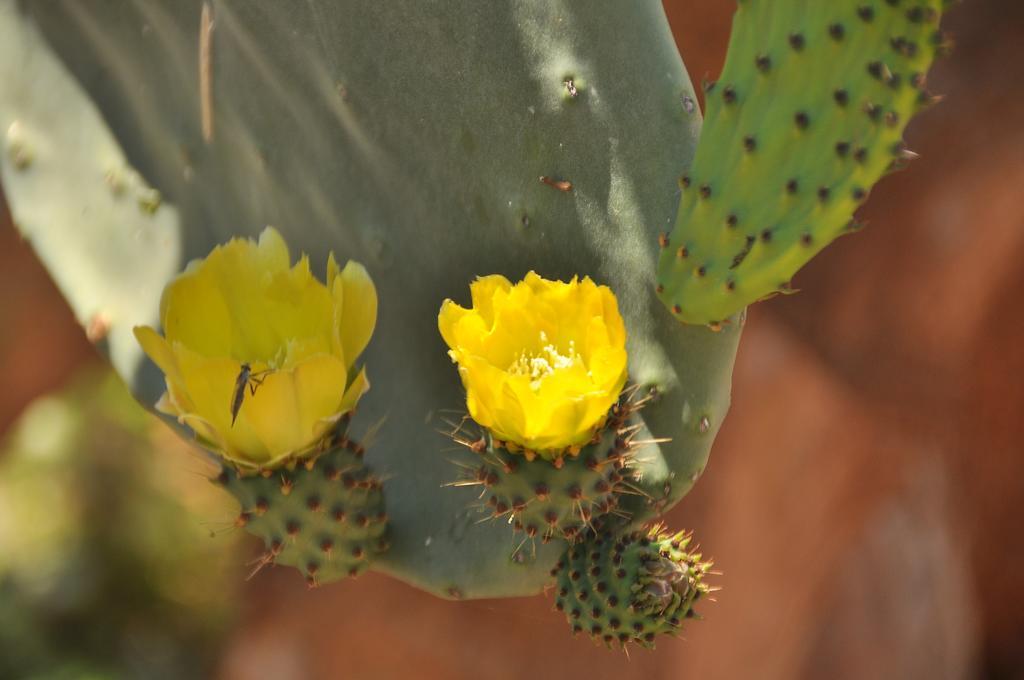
{"x":107,"y":568}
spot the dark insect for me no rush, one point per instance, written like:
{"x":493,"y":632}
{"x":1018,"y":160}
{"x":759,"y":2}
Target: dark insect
{"x":246,"y":378}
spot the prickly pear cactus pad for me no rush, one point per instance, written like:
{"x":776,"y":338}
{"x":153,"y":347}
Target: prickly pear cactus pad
{"x":808,"y":114}
{"x":630,"y":587}
{"x":61,"y":166}
{"x":434,"y":143}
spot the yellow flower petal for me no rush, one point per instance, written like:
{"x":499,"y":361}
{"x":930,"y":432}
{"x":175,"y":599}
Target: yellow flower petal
{"x":483,"y":291}
{"x":484,"y":386}
{"x":360,"y":386}
{"x":166,"y":405}
{"x":542,"y":361}
{"x":471,"y":333}
{"x":175,"y":400}
{"x":272,"y":250}
{"x":448,"y":320}
{"x":359,"y":307}
{"x":210,"y":384}
{"x":246,"y":304}
{"x":288,"y":410}
{"x":332,"y":270}
{"x":245,"y":301}
{"x":510,"y":415}
{"x":208,"y":435}
{"x":159,"y":351}
{"x":567,"y":420}
{"x":196,"y":313}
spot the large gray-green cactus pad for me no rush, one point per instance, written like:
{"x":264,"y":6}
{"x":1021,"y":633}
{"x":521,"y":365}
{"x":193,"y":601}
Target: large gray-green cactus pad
{"x":410,"y":135}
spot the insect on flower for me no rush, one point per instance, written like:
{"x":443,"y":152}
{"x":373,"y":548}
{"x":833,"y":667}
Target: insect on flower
{"x":312,"y":350}
{"x":246,"y":378}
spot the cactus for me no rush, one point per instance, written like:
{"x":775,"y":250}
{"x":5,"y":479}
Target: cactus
{"x":325,"y":517}
{"x":424,"y":166}
{"x":57,"y":145}
{"x":561,"y":500}
{"x":630,"y":587}
{"x":808,"y":114}
{"x":436,"y":144}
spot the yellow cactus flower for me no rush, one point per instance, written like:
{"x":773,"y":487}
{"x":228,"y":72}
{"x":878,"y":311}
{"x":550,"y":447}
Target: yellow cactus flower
{"x":542,"y":361}
{"x":259,"y":355}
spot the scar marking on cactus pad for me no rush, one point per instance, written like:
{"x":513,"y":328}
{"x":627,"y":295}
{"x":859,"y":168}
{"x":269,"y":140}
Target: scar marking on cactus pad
{"x":561,"y":185}
{"x":17,"y":149}
{"x":570,"y":87}
{"x":206,"y":72}
{"x":98,"y":327}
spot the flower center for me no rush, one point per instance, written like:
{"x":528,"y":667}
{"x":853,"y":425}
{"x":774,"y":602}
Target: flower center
{"x":541,"y":364}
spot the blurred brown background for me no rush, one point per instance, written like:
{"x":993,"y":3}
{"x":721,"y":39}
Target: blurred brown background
{"x":865,"y":499}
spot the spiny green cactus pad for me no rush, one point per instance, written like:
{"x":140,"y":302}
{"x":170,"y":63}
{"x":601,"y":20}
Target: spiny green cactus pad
{"x":325,"y":517}
{"x":61,"y":165}
{"x":410,"y":136}
{"x":548,"y":500}
{"x":808,"y":114}
{"x":631,"y":587}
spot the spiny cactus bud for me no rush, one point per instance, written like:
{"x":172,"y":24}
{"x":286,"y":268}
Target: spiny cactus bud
{"x":544,"y":364}
{"x":564,"y":498}
{"x":323,"y":516}
{"x":632,"y":587}
{"x":259,"y":358}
